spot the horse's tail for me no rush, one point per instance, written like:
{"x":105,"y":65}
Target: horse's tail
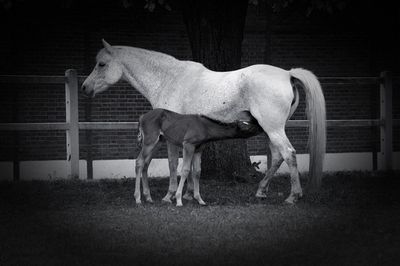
{"x":315,"y":110}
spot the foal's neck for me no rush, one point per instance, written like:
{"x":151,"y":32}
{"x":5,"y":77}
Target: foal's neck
{"x":217,"y":130}
{"x":149,"y":71}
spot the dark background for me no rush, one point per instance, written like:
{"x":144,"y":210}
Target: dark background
{"x":46,"y":38}
{"x":352,"y":221}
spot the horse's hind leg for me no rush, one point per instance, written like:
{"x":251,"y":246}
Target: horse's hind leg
{"x":173,"y":156}
{"x":280,"y":140}
{"x":196,"y":177}
{"x":276,"y":162}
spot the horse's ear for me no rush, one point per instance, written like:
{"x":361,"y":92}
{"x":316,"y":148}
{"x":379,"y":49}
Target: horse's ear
{"x":107,"y":46}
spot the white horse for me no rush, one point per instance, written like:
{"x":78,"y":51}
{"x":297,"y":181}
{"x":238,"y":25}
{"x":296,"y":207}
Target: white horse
{"x":187,"y":87}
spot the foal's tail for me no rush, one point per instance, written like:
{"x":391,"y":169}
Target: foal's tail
{"x":139,"y":135}
{"x":317,"y":129}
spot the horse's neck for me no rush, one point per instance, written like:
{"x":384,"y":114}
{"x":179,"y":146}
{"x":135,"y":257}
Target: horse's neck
{"x":149,"y":71}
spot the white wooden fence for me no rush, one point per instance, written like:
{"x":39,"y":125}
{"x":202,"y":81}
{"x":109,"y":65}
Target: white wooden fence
{"x":72,"y":124}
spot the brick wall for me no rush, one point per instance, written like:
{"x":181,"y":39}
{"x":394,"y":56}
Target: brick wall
{"x":33,"y":45}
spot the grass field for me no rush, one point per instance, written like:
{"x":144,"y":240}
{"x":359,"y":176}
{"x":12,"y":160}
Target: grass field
{"x":354,"y":220}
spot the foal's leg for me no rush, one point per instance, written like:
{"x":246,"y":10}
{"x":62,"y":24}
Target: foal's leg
{"x":143,"y":159}
{"x":196,"y":177}
{"x":173,"y":156}
{"x":276,"y":162}
{"x":188,"y":151}
{"x":190,"y":187}
{"x":138,"y":170}
{"x":146,"y":189}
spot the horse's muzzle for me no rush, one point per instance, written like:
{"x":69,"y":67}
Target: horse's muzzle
{"x":87,"y":94}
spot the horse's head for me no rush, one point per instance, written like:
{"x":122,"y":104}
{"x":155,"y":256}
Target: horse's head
{"x":107,"y":71}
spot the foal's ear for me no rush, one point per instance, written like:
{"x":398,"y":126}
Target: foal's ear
{"x":107,"y":46}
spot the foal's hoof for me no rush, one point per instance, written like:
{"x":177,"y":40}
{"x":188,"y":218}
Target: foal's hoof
{"x":167,"y":200}
{"x":179,"y":204}
{"x":202,"y":203}
{"x":290,"y":201}
{"x":149,"y":200}
{"x":138,"y":202}
{"x":187,"y":197}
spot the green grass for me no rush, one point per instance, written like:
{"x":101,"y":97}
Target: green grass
{"x":353,"y":220}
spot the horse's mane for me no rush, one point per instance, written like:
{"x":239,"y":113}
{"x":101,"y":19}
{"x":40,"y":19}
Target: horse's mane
{"x":154,"y":55}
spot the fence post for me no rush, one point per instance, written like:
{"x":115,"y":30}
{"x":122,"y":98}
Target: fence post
{"x":16,"y":135}
{"x":72,"y":119}
{"x":386,"y":128}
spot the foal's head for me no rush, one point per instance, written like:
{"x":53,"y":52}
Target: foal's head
{"x":107,"y":71}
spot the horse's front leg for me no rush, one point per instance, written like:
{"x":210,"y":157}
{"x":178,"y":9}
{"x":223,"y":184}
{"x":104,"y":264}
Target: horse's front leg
{"x":173,"y":156}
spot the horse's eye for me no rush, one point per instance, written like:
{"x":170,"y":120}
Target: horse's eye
{"x":101,"y":64}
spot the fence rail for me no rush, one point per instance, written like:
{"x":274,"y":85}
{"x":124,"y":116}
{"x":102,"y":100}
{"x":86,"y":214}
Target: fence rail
{"x":72,"y":124}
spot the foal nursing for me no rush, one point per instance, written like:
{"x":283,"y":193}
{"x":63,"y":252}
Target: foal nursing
{"x":190,"y":132}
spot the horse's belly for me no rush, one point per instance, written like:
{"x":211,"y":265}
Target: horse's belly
{"x":222,"y":100}
{"x":219,"y":95}
{"x":225,"y":112}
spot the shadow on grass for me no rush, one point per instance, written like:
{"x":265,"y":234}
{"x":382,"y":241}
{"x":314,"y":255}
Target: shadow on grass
{"x":353,"y":220}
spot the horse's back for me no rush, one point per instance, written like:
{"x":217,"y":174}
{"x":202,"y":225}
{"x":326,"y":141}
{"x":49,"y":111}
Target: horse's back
{"x":269,"y":83}
{"x":267,"y":71}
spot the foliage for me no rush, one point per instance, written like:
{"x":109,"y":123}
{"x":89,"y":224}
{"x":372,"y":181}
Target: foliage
{"x":149,"y":5}
{"x":329,"y":6}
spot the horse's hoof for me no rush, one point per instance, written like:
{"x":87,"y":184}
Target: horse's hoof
{"x":187,"y":197}
{"x":293,"y":198}
{"x":298,"y":195}
{"x":179,"y":205}
{"x":260,"y":194}
{"x":138,"y":202}
{"x":202,"y":203}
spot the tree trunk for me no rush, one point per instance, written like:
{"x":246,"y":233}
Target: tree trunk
{"x":215,"y":30}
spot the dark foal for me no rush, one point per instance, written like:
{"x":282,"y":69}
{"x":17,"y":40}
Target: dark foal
{"x":189,"y":132}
